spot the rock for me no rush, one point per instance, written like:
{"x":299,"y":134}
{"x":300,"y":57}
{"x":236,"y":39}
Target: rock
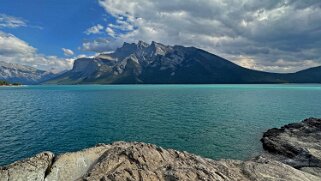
{"x":313,"y":170}
{"x":33,"y":168}
{"x":72,"y":166}
{"x":266,"y":169}
{"x":296,"y":144}
{"x":139,"y":161}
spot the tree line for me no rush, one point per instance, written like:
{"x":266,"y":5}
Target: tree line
{"x":6,"y":83}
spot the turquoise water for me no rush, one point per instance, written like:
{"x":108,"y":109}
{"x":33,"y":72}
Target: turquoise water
{"x":215,"y":121}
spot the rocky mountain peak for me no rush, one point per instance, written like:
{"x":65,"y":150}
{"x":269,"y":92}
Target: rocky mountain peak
{"x":142,"y":44}
{"x":142,"y":62}
{"x":141,"y":49}
{"x":16,"y":66}
{"x":23,"y":74}
{"x":125,"y":50}
{"x":158,"y":48}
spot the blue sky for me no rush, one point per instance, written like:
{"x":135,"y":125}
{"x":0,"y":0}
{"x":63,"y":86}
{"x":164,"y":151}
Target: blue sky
{"x":53,"y":24}
{"x":276,"y":36}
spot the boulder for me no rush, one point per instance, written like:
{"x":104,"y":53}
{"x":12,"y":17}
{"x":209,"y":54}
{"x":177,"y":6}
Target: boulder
{"x":34,"y":168}
{"x":296,"y":144}
{"x":72,"y":166}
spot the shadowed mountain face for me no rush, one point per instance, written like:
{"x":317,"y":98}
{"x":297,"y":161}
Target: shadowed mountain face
{"x":156,"y":63}
{"x":311,"y":75}
{"x":23,"y":74}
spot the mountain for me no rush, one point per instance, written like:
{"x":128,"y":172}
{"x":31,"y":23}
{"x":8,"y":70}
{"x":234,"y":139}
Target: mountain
{"x":23,"y":74}
{"x":156,"y":63}
{"x":311,"y":75}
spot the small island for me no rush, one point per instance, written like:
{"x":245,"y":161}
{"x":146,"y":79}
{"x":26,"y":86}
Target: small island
{"x":6,"y":83}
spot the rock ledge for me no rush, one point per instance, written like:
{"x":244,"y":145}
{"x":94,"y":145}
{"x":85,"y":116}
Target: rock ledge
{"x":296,"y":144}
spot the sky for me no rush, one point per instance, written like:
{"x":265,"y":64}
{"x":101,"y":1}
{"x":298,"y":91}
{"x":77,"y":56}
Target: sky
{"x":268,"y":35}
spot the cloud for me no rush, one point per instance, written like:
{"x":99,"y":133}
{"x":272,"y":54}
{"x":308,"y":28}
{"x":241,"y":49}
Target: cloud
{"x":94,"y":29}
{"x":281,"y":36}
{"x":67,"y":52}
{"x":7,"y":21}
{"x":100,"y":45}
{"x":280,"y":65}
{"x":15,"y":50}
{"x":110,"y":32}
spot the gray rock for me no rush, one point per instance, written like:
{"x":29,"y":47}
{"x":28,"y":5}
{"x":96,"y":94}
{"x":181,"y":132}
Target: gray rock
{"x":72,"y":166}
{"x":33,"y":168}
{"x":296,"y":144}
{"x":139,"y":161}
{"x":313,"y":170}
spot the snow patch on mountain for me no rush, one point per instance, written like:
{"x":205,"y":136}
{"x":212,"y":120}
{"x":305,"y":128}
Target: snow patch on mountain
{"x":23,"y":74}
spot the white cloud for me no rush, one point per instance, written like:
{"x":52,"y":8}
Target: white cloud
{"x":110,"y":32}
{"x":280,"y":66}
{"x":263,"y":31}
{"x":7,"y":21}
{"x":94,"y":29}
{"x":11,"y":45}
{"x":122,"y":24}
{"x":15,"y":50}
{"x":67,"y":52}
{"x":100,"y":45}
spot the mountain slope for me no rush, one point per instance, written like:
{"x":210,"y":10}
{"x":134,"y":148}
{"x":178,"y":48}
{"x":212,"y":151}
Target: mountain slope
{"x":311,"y":75}
{"x":23,"y":74}
{"x":156,"y":63}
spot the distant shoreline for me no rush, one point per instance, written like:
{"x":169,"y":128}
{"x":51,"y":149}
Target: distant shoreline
{"x":6,"y":83}
{"x":11,"y":85}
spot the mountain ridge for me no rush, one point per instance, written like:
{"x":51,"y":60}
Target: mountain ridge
{"x":23,"y":74}
{"x":155,"y":63}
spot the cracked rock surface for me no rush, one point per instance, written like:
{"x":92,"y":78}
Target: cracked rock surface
{"x":33,"y":168}
{"x":296,"y":144}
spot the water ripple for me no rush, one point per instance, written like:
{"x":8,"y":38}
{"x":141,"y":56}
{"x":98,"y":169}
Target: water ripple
{"x":215,"y":121}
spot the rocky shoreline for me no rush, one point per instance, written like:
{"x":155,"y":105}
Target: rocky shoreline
{"x":293,"y":152}
{"x":296,"y":144}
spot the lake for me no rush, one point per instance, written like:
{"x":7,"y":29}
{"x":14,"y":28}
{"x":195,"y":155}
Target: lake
{"x":214,"y":121}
